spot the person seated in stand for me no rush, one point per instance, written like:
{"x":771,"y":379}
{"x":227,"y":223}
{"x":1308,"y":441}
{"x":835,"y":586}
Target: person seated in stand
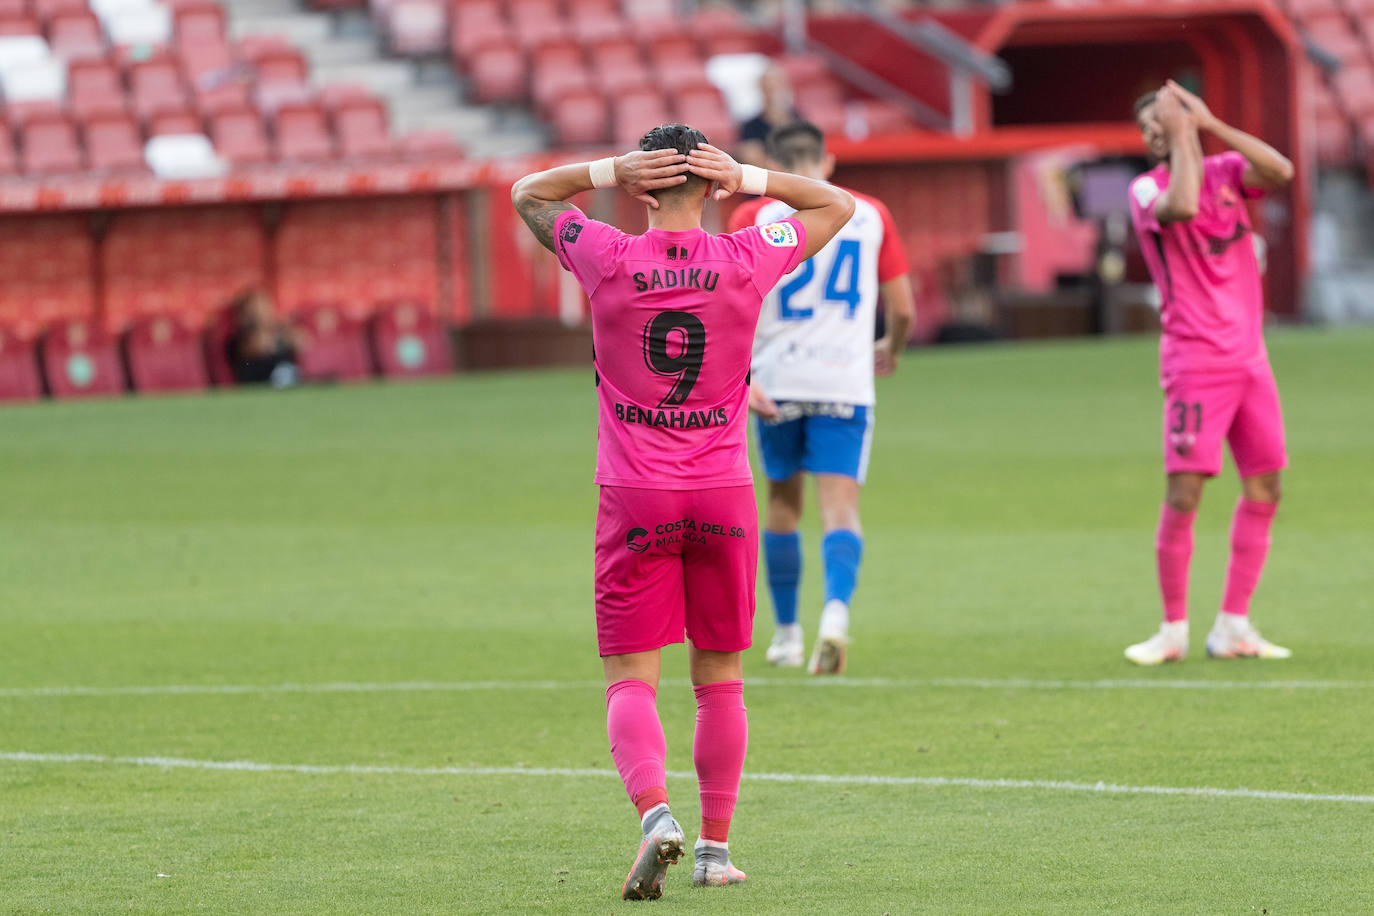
{"x":263,"y":348}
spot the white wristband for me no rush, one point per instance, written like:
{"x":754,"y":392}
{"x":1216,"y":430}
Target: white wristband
{"x":754,"y":181}
{"x":603,"y":173}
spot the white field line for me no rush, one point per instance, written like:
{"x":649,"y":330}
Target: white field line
{"x":839,"y":683}
{"x":250,"y":766}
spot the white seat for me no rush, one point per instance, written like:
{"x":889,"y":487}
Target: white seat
{"x":42,"y":80}
{"x":183,"y":156}
{"x":737,"y":77}
{"x":22,"y":50}
{"x":150,"y":24}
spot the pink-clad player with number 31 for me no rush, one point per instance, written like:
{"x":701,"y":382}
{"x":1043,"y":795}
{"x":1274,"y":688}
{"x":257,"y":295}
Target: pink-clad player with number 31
{"x":673,"y":316}
{"x":1189,"y":214}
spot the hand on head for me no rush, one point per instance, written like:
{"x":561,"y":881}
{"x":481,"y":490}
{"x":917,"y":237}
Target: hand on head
{"x":643,"y":171}
{"x":716,"y":165}
{"x":1170,"y":111}
{"x":1197,"y":109}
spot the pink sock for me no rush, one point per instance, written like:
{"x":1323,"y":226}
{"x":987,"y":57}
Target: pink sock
{"x":1249,"y":547}
{"x":1173,"y":551}
{"x":637,"y":744}
{"x":722,"y":737}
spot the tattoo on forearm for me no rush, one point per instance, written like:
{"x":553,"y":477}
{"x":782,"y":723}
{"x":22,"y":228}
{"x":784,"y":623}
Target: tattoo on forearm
{"x":539,"y":215}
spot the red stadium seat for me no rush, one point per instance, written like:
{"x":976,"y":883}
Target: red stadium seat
{"x":155,"y":85}
{"x":636,"y":111}
{"x":335,"y":347}
{"x":19,"y":376}
{"x":274,"y":60}
{"x":46,"y":10}
{"x":557,"y":69}
{"x":877,"y":118}
{"x":535,"y":23}
{"x":425,"y":144}
{"x":408,"y":341}
{"x":226,"y":96}
{"x":175,"y":122}
{"x":591,"y":25}
{"x":360,"y":126}
{"x":476,"y":25}
{"x":498,"y":74}
{"x":302,"y":134}
{"x":238,"y":135}
{"x":704,"y":109}
{"x":720,"y":30}
{"x":79,"y":359}
{"x":206,"y":63}
{"x":199,"y":22}
{"x":579,"y":118}
{"x":113,"y":143}
{"x":679,"y":74}
{"x":75,"y":35}
{"x":164,"y":355}
{"x":93,"y":87}
{"x":668,"y":47}
{"x":13,"y":9}
{"x":617,"y":66}
{"x":20,"y":25}
{"x":50,"y":144}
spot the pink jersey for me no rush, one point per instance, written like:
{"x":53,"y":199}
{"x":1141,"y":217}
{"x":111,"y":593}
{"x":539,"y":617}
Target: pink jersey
{"x":1206,"y":270}
{"x":673,"y":316}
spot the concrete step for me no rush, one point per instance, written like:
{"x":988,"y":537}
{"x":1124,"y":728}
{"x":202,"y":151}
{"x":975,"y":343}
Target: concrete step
{"x":344,"y":50}
{"x":427,"y":98}
{"x":301,"y":29}
{"x":385,"y":77}
{"x":241,"y":9}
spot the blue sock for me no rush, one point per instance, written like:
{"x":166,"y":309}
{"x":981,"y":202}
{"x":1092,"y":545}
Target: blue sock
{"x":841,"y":551}
{"x":782,"y":555}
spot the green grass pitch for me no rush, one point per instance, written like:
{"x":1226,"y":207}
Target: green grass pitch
{"x":439,"y":536}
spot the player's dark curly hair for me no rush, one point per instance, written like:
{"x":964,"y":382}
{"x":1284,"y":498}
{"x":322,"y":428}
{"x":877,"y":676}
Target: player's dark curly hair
{"x":684,"y":139}
{"x":793,"y":144}
{"x":1145,"y":100}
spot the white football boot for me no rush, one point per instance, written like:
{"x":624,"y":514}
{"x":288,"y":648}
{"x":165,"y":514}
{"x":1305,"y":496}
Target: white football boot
{"x":832,"y":639}
{"x":1170,"y":644}
{"x":713,"y":868}
{"x":787,"y":650}
{"x":661,"y":846}
{"x":1234,"y":636}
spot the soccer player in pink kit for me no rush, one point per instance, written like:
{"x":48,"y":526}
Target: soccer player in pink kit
{"x":673,"y":316}
{"x":1189,"y":213}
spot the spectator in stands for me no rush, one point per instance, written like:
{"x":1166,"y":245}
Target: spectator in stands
{"x":263,"y":348}
{"x":778,"y":111}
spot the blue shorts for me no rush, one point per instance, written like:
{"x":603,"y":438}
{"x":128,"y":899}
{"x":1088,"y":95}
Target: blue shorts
{"x":819,"y":437}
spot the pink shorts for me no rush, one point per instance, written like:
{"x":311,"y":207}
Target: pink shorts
{"x":1241,"y":406}
{"x":669,"y":561}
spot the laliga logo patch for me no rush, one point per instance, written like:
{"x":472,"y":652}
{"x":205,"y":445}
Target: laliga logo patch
{"x":1182,"y":443}
{"x":571,"y":230}
{"x":633,"y":542}
{"x":779,"y":235}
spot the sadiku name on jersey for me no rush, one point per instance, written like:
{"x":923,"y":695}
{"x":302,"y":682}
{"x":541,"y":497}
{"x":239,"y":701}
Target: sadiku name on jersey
{"x":679,"y":278}
{"x":671,"y":419}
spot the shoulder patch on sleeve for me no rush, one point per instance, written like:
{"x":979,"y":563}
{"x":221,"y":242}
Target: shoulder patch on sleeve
{"x":779,"y":235}
{"x":1145,"y":189}
{"x":572,"y":228}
